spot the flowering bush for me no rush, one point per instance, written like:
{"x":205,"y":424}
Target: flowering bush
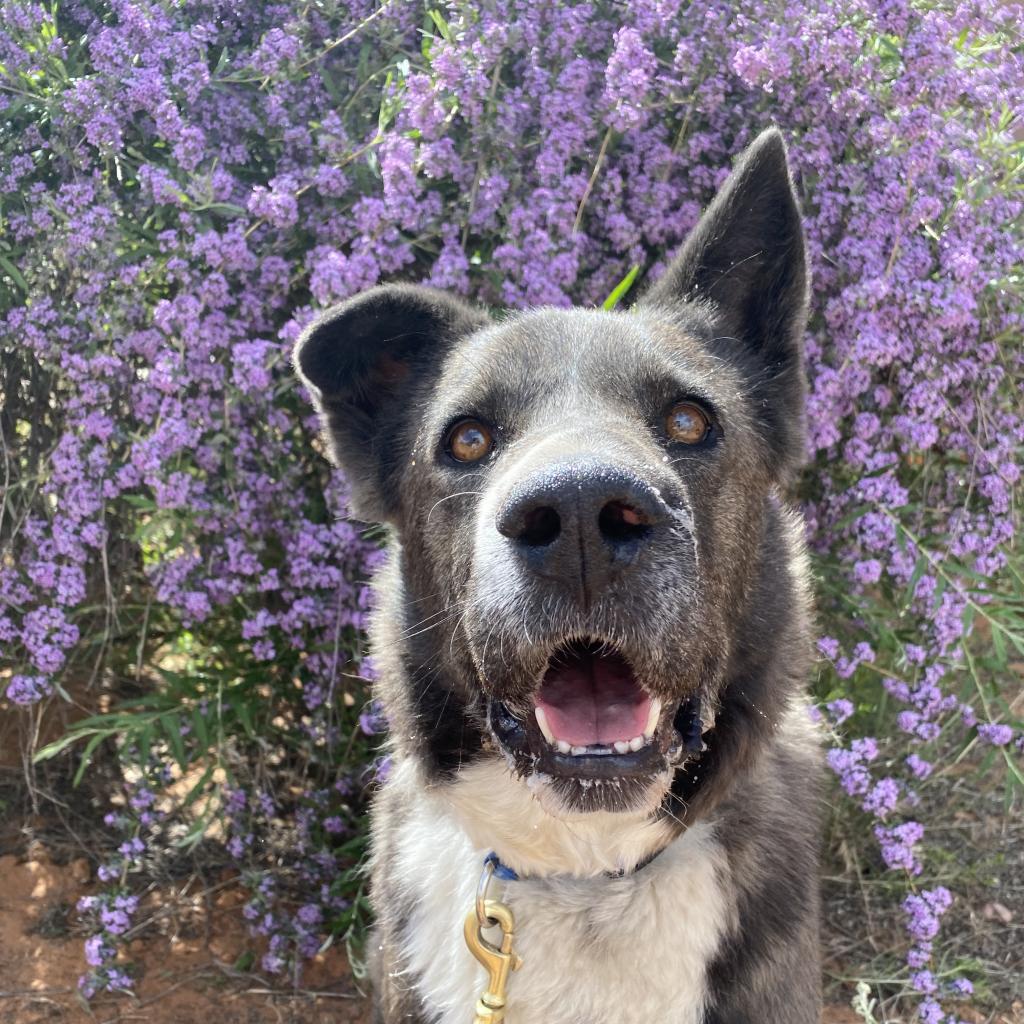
{"x":181,"y":186}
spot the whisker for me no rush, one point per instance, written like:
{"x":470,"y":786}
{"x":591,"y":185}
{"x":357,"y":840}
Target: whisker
{"x":455,"y":629}
{"x":427,"y":629}
{"x":448,"y":497}
{"x":426,"y":618}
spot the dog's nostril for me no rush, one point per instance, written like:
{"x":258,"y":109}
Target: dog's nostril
{"x":620,"y":522}
{"x":541,"y":526}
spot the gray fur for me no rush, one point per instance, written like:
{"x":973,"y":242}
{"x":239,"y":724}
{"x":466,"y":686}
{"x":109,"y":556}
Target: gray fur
{"x":708,"y":607}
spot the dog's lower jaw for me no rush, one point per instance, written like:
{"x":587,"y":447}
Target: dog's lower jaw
{"x":626,"y":799}
{"x":568,"y":798}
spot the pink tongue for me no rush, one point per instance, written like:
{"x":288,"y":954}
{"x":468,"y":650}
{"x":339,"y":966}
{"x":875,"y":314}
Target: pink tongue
{"x":593,"y":700}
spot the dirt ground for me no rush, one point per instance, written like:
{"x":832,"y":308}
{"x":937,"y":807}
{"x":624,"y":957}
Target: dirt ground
{"x":185,"y":961}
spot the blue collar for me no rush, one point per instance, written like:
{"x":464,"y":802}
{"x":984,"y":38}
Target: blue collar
{"x":507,"y":874}
{"x":502,"y":871}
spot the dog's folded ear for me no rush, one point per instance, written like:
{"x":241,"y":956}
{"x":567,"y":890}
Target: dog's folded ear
{"x":367,"y":362}
{"x":745,"y":262}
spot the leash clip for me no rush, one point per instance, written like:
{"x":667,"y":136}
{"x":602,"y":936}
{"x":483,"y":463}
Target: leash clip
{"x":498,"y":961}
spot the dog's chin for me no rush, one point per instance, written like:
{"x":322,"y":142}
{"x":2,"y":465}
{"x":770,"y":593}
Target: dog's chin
{"x":592,"y":737}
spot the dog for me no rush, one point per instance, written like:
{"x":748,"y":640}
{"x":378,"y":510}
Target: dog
{"x":593,"y":632}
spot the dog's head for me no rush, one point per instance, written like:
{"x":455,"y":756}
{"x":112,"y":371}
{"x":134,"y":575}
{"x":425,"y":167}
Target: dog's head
{"x":578,"y":496}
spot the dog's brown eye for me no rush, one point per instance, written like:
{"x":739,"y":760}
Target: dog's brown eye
{"x":687,"y":423}
{"x":470,"y":441}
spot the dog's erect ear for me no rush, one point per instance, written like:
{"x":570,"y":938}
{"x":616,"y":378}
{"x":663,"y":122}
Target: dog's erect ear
{"x":365,"y":363}
{"x":745,"y":258}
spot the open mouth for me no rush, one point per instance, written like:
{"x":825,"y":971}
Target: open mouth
{"x":591,"y":718}
{"x":590,"y":703}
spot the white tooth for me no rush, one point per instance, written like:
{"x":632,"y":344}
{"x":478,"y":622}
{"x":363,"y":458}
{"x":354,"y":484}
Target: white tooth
{"x":542,"y":721}
{"x":576,"y":751}
{"x":621,"y":747}
{"x":653,"y":716}
{"x":562,"y":747}
{"x":636,"y":743}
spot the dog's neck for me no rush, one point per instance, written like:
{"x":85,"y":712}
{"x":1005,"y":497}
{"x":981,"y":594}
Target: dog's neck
{"x":500,"y":812}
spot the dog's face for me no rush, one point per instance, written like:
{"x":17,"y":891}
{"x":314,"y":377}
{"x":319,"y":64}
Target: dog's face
{"x":579,"y":495}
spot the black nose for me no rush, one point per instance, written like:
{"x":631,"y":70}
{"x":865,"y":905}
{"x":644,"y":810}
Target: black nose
{"x":586,"y":520}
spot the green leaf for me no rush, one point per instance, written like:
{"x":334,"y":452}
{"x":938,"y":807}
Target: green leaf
{"x":145,"y":741}
{"x":90,"y":749}
{"x":171,"y":726}
{"x":245,"y":960}
{"x":387,"y":104}
{"x":199,"y":727}
{"x":244,"y":713}
{"x":621,"y":288}
{"x":197,"y":789}
{"x":442,"y":26}
{"x":999,"y":644}
{"x":220,"y":208}
{"x":13,"y":273}
{"x":331,"y":85}
{"x":197,"y":829}
{"x":57,"y":746}
{"x":139,"y":501}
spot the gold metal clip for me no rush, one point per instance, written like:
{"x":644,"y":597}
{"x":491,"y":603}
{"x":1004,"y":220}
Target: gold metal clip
{"x":498,"y":961}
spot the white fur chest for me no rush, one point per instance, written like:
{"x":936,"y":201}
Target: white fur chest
{"x":595,"y":950}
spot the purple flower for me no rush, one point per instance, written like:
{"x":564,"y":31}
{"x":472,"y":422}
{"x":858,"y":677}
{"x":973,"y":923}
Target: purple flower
{"x":867,"y":571}
{"x":132,"y":849}
{"x":923,"y":912}
{"x":98,"y":950}
{"x":273,"y":963}
{"x":309,"y":915}
{"x":116,"y":921}
{"x":28,"y":689}
{"x":898,"y":847}
{"x":760,"y":65}
{"x":882,"y":797}
{"x":382,"y":769}
{"x":118,"y":980}
{"x":628,"y":78}
{"x":372,"y":721}
{"x":997,"y":734}
{"x":276,"y":48}
{"x":840,"y":710}
{"x":923,"y":981}
{"x":829,"y":647}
